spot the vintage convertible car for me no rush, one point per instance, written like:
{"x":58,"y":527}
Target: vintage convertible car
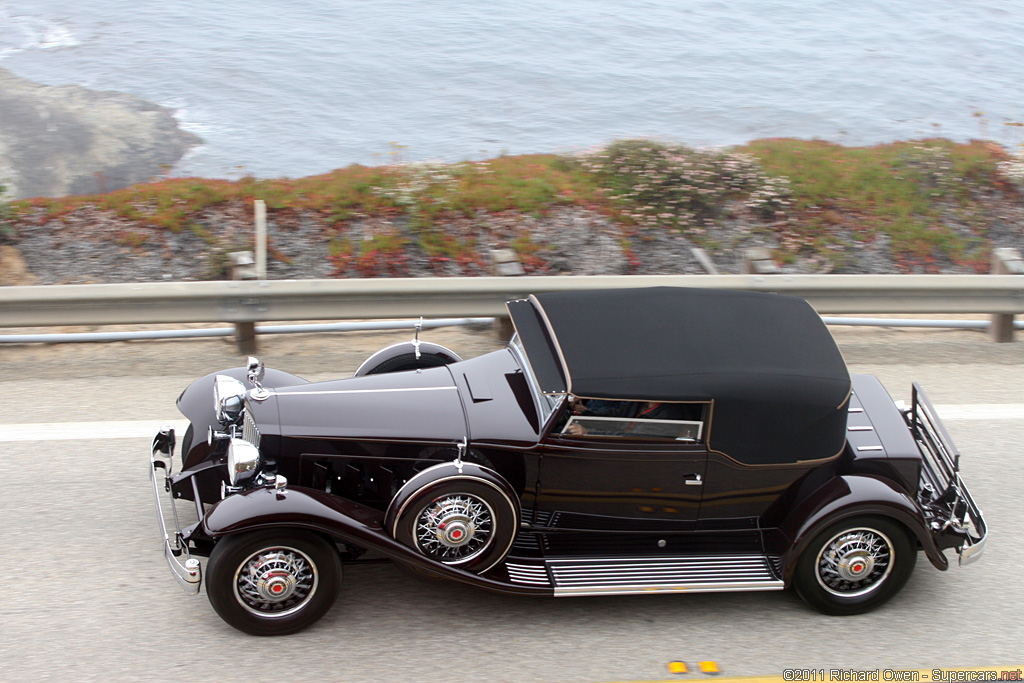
{"x":626,"y":441}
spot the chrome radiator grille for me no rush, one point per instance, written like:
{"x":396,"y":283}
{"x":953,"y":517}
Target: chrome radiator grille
{"x":249,"y":431}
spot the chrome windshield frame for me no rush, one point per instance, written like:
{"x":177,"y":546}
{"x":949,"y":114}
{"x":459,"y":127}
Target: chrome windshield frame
{"x":547,"y":404}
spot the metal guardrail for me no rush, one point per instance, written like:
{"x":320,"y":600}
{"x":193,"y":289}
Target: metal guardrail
{"x":251,"y":301}
{"x":207,"y":332}
{"x":268,"y":300}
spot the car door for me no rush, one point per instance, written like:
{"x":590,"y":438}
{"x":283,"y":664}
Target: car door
{"x":607,"y":480}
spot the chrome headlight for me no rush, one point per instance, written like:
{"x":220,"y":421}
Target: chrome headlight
{"x":228,"y":399}
{"x":243,"y":461}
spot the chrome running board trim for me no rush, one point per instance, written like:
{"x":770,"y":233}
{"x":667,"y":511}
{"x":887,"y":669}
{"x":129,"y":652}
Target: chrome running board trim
{"x":622,"y":576}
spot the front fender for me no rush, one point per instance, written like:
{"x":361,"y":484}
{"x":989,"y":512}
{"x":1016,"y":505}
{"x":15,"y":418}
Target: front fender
{"x":339,"y":518}
{"x":427,"y":355}
{"x":196,"y":403}
{"x":853,"y":496}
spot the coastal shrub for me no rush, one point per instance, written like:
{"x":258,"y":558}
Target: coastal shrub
{"x":655,"y":184}
{"x":905,"y":190}
{"x":925,"y":201}
{"x":528,"y":184}
{"x":422,"y":189}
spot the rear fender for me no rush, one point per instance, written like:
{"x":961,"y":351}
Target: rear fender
{"x":338,"y":518}
{"x":853,"y":496}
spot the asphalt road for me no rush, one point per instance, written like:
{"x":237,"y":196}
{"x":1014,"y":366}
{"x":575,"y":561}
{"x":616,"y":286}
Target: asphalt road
{"x":86,"y":594}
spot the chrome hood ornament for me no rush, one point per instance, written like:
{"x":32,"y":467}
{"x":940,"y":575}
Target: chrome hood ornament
{"x":255,"y":376}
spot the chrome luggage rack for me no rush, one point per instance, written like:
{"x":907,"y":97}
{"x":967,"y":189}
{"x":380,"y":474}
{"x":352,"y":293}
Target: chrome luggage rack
{"x":943,"y":489}
{"x":189,"y":573}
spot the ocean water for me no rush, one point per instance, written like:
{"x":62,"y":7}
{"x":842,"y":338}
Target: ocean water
{"x":303,"y":87}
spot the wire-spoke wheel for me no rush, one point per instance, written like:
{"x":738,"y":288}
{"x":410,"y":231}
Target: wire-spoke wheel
{"x":454,"y":528}
{"x":463,"y":522}
{"x":854,"y":566}
{"x":275,"y":582}
{"x":272,"y":582}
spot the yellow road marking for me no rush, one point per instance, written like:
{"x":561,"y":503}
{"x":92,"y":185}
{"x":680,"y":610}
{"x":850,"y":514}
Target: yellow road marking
{"x":941,"y":674}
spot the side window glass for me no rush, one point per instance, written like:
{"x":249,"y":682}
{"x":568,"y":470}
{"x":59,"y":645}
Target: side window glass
{"x":637,"y":420}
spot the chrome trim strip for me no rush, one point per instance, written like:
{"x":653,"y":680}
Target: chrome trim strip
{"x":773,"y":585}
{"x":870,"y":448}
{"x":535,"y":574}
{"x":700,"y":574}
{"x":637,"y":570}
{"x":862,"y":428}
{"x":536,"y":578}
{"x":364,"y":391}
{"x":855,"y":410}
{"x":189,"y":574}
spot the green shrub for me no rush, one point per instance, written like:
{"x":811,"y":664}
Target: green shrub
{"x":900,"y":189}
{"x":661,"y":185}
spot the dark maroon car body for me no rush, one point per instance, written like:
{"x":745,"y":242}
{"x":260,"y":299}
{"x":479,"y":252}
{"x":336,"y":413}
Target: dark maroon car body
{"x":467,"y":470}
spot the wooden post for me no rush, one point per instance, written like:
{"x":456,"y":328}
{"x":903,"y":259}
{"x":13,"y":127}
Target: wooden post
{"x":505,"y":263}
{"x":759,"y":261}
{"x":261,"y":239}
{"x":242,"y":268}
{"x":1004,"y":262}
{"x":245,"y":337}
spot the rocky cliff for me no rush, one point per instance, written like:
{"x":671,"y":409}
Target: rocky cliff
{"x":60,"y":140}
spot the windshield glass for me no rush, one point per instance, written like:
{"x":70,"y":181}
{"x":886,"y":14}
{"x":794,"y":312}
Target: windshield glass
{"x":547,"y":403}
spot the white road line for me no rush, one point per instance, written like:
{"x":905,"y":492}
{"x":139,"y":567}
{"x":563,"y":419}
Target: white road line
{"x":71,"y":431}
{"x":137,"y":429}
{"x":982,"y":411}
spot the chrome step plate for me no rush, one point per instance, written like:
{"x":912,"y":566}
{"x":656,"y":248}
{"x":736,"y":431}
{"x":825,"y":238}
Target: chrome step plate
{"x":621,"y":576}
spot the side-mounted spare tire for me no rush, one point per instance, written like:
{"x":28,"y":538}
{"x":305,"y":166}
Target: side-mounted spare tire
{"x":463,"y":515}
{"x":407,"y":356}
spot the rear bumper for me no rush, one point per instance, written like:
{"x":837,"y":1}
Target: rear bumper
{"x":185,"y":568}
{"x":951,"y":510}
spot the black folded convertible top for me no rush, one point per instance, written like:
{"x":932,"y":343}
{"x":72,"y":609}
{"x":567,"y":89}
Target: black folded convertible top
{"x":777,"y":380}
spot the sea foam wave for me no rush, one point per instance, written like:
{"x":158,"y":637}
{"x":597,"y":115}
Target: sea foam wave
{"x":21,"y":33}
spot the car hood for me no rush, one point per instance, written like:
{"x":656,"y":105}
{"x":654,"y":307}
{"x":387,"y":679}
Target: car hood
{"x":419,"y":405}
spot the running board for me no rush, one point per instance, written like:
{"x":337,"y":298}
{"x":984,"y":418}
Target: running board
{"x":621,"y":576}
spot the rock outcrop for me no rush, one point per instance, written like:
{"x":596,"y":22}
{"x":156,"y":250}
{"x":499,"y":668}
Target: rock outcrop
{"x":60,"y":140}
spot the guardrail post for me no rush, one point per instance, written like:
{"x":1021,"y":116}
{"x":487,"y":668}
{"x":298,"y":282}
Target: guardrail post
{"x":243,"y":267}
{"x":759,"y":261}
{"x":1005,"y":261}
{"x":505,"y":262}
{"x":704,"y":260}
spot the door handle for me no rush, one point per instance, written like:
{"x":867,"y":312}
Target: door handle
{"x":694,"y":480}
